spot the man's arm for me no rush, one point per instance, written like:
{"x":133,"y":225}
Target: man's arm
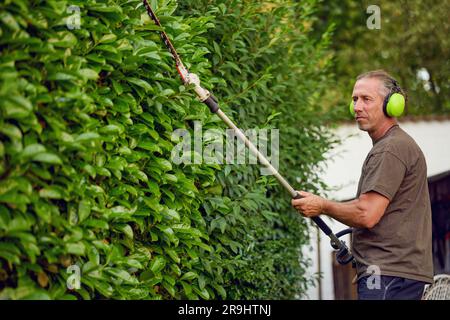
{"x":364,"y":212}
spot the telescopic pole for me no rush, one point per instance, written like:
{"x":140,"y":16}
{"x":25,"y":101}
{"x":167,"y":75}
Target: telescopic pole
{"x":343,"y":255}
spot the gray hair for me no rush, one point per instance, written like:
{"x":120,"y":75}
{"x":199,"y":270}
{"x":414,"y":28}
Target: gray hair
{"x":390,"y":85}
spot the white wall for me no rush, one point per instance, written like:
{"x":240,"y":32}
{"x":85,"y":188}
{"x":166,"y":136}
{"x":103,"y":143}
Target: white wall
{"x":342,"y":171}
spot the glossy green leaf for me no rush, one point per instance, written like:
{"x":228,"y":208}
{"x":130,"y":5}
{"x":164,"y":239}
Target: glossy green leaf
{"x":47,"y":157}
{"x":157,"y":264}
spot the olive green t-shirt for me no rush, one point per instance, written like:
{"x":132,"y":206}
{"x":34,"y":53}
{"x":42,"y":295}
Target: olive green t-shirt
{"x":400,"y":243}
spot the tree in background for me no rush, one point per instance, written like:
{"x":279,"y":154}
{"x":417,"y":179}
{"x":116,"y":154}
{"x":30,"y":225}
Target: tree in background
{"x":412,"y":44}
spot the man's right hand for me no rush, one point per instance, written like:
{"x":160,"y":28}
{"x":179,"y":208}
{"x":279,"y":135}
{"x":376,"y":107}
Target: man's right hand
{"x":310,"y":205}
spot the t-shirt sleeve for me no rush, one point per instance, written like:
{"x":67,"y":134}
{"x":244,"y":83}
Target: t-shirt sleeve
{"x":384,"y":174}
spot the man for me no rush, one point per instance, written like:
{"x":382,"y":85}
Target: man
{"x":391,"y":214}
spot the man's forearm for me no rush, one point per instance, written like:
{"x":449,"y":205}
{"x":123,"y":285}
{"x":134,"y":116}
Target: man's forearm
{"x":350,"y":213}
{"x":364,"y":212}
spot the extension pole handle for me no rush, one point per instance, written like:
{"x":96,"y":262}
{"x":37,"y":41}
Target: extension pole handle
{"x":211,"y":102}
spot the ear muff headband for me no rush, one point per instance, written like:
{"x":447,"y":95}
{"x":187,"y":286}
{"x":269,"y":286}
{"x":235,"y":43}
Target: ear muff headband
{"x":393,"y":105}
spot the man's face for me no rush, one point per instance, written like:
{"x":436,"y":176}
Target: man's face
{"x":368,"y":103}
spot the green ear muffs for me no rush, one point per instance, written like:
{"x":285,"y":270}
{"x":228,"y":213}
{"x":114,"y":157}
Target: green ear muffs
{"x":352,"y":108}
{"x":393,"y":105}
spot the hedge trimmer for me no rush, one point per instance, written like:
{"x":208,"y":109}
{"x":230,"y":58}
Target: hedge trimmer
{"x":343,"y":254}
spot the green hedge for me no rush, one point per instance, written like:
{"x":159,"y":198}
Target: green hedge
{"x":86,"y":118}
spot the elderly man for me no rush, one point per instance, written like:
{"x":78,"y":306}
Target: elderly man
{"x":391,"y":214}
